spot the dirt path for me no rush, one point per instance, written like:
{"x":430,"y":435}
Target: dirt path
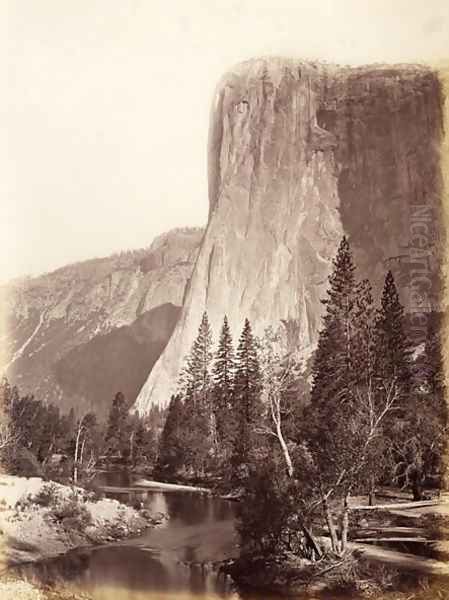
{"x":402,"y":560}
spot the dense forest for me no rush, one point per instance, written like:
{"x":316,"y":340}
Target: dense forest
{"x":293,"y":436}
{"x":297,"y":437}
{"x":36,"y":440}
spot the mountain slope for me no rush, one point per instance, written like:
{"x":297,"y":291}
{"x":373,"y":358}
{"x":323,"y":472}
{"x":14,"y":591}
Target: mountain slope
{"x":120,"y":309}
{"x":91,"y":374}
{"x":300,"y":154}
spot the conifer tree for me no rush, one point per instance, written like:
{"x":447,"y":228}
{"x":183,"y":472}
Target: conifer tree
{"x":196,"y":376}
{"x":247,"y":396}
{"x":334,"y":368}
{"x":5,"y":393}
{"x":171,"y":443}
{"x":334,"y":359}
{"x":431,"y":376}
{"x":393,"y":352}
{"x":196,"y":384}
{"x":349,"y":408}
{"x":139,"y":442}
{"x":7,"y":433}
{"x":418,"y":435}
{"x":393,"y":367}
{"x":427,"y":419}
{"x":223,"y":384}
{"x":117,"y":428}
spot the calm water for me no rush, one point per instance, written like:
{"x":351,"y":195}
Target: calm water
{"x":163,"y":563}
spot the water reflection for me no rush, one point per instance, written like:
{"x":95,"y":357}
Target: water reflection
{"x":163,"y":563}
{"x":132,"y":573}
{"x":172,"y":562}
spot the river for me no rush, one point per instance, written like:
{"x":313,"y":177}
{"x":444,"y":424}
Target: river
{"x":164,"y":563}
{"x":173,"y":561}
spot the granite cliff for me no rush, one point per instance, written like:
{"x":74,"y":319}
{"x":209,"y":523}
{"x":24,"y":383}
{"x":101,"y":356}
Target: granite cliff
{"x":78,"y":335}
{"x":300,"y":154}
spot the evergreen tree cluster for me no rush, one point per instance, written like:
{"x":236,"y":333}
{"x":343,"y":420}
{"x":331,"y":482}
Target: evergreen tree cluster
{"x":211,"y":420}
{"x":40,"y":441}
{"x":376,"y":415}
{"x":373,"y":413}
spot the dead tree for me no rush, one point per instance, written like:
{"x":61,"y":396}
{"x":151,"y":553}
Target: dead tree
{"x":370,"y":408}
{"x":275,"y":387}
{"x":83,"y":431}
{"x":279,"y":367}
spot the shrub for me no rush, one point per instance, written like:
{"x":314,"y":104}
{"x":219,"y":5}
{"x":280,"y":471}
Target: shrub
{"x":72,"y":513}
{"x":21,"y":462}
{"x":95,"y":493}
{"x":47,"y":496}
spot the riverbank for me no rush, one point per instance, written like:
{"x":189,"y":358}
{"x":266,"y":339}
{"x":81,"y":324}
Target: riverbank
{"x":40,"y":520}
{"x":12,"y":588}
{"x":352,"y":575}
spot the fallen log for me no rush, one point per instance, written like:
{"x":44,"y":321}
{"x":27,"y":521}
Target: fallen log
{"x":393,"y":539}
{"x":402,"y":560}
{"x":161,"y":486}
{"x":380,"y":530}
{"x":405,"y":514}
{"x":398,"y":505}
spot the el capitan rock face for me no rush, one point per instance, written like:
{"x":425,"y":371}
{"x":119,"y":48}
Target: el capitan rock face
{"x":300,"y":154}
{"x":78,"y":335}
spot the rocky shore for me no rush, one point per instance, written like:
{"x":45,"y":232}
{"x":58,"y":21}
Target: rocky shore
{"x":12,"y":588}
{"x":41,"y":520}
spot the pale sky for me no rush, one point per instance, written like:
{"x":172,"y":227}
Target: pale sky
{"x":107,"y":105}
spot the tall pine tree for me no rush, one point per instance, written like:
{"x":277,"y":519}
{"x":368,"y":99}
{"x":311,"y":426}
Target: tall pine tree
{"x":247,"y":397}
{"x":348,"y":411}
{"x":196,"y":384}
{"x":416,"y":435}
{"x":333,"y":367}
{"x":342,"y":370}
{"x":393,"y":367}
{"x":171,"y":444}
{"x":426,"y":420}
{"x":196,"y":376}
{"x":432,"y":406}
{"x":117,"y":438}
{"x":393,"y":356}
{"x":223,"y":386}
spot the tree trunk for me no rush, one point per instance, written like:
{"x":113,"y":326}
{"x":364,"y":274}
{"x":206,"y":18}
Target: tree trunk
{"x":131,"y":448}
{"x":311,"y":540}
{"x":284,"y":449}
{"x":344,"y":525}
{"x":75,"y":462}
{"x":82,"y":451}
{"x":331,"y":526}
{"x":372,"y":492}
{"x":417,"y":487}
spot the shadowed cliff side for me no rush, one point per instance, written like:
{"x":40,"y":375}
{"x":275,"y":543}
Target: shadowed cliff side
{"x":92,"y":373}
{"x":62,"y":328}
{"x":299,"y":154}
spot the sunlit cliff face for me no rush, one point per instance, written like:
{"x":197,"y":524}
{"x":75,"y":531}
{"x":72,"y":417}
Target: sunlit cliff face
{"x":299,"y":155}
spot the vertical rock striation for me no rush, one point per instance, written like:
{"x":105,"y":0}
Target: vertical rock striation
{"x":300,"y":154}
